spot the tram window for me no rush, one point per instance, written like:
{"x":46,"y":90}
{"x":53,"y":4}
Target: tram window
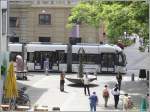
{"x":121,"y":59}
{"x":107,"y":60}
{"x":104,"y":60}
{"x":37,"y":57}
{"x":30,"y":56}
{"x":62,"y":57}
{"x":75,"y":58}
{"x":91,"y":58}
{"x":110,"y":60}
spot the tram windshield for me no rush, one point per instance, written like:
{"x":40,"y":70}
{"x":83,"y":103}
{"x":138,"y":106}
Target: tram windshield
{"x":121,"y":59}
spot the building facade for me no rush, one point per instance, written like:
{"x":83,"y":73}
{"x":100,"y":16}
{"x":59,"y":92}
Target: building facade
{"x":46,"y":21}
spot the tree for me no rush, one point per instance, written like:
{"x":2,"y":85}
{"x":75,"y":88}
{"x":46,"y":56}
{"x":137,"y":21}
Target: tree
{"x":85,"y":13}
{"x":119,"y":17}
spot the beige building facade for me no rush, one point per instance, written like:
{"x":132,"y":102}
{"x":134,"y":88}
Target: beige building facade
{"x":46,"y":20}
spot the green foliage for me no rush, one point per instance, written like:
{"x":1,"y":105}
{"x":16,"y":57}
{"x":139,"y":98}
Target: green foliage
{"x":3,"y":69}
{"x":142,"y":48}
{"x":119,"y":17}
{"x":85,"y":13}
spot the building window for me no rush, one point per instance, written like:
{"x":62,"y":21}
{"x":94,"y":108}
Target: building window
{"x":44,"y":19}
{"x":44,"y":39}
{"x":14,"y":39}
{"x":14,"y":21}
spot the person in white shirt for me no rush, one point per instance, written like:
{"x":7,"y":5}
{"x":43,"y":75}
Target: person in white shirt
{"x":86,"y":84}
{"x":115,"y":92}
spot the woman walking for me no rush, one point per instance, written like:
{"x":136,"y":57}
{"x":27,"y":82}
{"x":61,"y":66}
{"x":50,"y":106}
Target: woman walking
{"x":105,"y":95}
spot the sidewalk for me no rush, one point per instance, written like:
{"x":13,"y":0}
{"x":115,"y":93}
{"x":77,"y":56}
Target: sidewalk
{"x":45,"y":91}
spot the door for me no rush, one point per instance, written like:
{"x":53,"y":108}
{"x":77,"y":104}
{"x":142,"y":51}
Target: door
{"x":40,"y":57}
{"x":107,"y":62}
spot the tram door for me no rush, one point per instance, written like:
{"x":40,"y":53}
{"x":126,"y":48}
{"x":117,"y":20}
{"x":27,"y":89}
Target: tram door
{"x":60,"y":57}
{"x":107,"y":62}
{"x":40,"y":57}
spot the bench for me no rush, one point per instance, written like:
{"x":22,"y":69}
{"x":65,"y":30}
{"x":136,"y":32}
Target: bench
{"x":21,"y":75}
{"x":90,"y":70}
{"x":5,"y":107}
{"x":22,"y":108}
{"x":41,"y":108}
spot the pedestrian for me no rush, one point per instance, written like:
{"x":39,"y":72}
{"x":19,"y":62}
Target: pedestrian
{"x":141,"y":41}
{"x":125,"y":102}
{"x":86,"y":84}
{"x":120,"y":44}
{"x":119,"y":79}
{"x":62,"y":81}
{"x":144,"y":104}
{"x":105,"y":95}
{"x":93,"y":102}
{"x":115,"y":92}
{"x":19,"y":63}
{"x":130,"y":102}
{"x":46,"y":66}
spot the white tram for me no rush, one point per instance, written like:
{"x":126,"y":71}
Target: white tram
{"x":100,"y":58}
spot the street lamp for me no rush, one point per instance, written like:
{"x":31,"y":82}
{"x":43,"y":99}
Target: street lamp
{"x":125,"y":37}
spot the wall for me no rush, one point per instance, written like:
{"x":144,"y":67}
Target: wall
{"x":29,"y":28}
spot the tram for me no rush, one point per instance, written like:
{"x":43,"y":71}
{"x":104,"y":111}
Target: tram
{"x":100,"y":58}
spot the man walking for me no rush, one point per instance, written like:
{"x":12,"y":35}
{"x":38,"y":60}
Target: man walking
{"x":93,"y":102}
{"x":119,"y":79}
{"x":86,"y":84}
{"x":116,"y":93}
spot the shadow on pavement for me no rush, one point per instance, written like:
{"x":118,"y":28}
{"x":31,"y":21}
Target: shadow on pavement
{"x":34,"y":93}
{"x":81,"y":86}
{"x":135,"y":89}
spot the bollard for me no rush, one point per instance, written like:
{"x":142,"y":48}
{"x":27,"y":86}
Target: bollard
{"x":147,"y":75}
{"x":132,"y":77}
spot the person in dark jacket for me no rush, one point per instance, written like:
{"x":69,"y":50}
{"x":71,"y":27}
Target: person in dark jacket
{"x":62,"y":81}
{"x":119,"y":79}
{"x":93,"y":102}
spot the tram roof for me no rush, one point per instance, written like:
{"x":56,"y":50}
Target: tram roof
{"x":45,"y":47}
{"x":17,"y":47}
{"x":97,"y":48}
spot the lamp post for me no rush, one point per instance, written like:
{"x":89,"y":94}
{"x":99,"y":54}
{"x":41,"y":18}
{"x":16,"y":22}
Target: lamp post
{"x":125,"y":37}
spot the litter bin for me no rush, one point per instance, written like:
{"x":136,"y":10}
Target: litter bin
{"x":142,"y":73}
{"x":56,"y":109}
{"x":147,"y":75}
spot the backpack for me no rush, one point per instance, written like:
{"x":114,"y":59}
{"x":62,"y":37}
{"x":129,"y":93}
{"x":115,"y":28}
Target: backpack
{"x":105,"y":93}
